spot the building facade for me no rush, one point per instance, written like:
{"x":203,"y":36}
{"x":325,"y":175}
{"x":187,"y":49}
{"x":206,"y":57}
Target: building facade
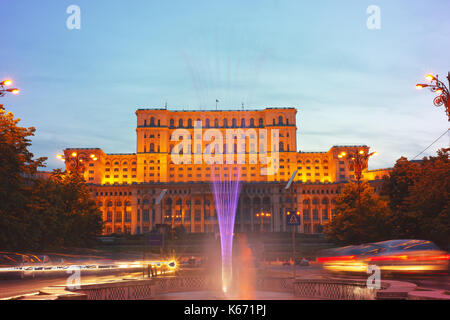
{"x":139,"y":192}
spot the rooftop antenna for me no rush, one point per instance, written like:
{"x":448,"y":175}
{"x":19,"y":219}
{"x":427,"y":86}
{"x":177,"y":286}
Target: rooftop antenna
{"x":217,"y":101}
{"x":242,"y":106}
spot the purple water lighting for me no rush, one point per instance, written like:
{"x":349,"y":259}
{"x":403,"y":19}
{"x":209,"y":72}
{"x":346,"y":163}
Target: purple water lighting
{"x":226,"y":197}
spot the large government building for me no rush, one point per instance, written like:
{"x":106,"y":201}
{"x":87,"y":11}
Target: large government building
{"x":140,"y":192}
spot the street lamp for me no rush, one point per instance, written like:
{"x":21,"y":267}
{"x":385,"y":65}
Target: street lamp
{"x":263,"y":215}
{"x":357,"y":162}
{"x":438,"y":87}
{"x":77,"y":161}
{"x":4,"y":90}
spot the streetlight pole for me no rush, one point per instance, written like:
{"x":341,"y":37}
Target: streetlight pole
{"x":77,"y":161}
{"x":4,"y":90}
{"x":288,"y":213}
{"x":263,"y":215}
{"x":437,"y":86}
{"x":358,"y":162}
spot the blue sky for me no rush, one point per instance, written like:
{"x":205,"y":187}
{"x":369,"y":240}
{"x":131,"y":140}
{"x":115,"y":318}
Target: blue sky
{"x":351,"y":85}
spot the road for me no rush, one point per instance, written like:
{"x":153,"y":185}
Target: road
{"x":10,"y":288}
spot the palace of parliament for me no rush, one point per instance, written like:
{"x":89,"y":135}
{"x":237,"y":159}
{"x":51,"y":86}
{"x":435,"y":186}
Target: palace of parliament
{"x":140,"y":192}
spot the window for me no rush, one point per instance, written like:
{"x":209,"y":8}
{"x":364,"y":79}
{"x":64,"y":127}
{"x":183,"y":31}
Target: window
{"x":145,"y":216}
{"x":261,"y":122}
{"x":280,"y":120}
{"x":180,"y":123}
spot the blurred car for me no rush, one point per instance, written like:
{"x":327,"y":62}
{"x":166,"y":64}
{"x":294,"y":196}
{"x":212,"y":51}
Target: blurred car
{"x":392,"y":257}
{"x":349,"y":259}
{"x":410,"y":256}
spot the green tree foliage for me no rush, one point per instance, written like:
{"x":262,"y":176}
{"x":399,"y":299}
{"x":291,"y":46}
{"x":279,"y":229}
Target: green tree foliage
{"x":418,"y":195}
{"x":37,"y":213}
{"x":65,"y":214}
{"x":17,"y":166}
{"x":350,"y":226}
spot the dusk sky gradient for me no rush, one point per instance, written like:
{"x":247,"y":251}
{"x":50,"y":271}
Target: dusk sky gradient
{"x":350,"y":85}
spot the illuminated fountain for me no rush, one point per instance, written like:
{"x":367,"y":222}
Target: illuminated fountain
{"x":226,"y":197}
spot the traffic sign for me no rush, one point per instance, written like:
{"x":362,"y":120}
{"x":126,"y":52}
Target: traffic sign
{"x":293,"y":218}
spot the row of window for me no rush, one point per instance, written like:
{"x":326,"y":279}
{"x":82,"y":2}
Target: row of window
{"x":234,"y":122}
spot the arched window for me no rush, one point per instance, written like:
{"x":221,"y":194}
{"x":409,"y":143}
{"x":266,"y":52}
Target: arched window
{"x":152,"y":121}
{"x":189,"y":123}
{"x":180,"y":123}
{"x":280,"y":120}
{"x":216,"y":123}
{"x":261,"y":122}
{"x":252,"y":123}
{"x":225,"y":123}
{"x":207,"y":123}
{"x":234,"y":123}
{"x":287,"y":121}
{"x":152,"y":147}
{"x":172,"y":123}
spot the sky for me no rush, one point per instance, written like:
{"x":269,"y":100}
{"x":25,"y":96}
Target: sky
{"x":350,"y":84}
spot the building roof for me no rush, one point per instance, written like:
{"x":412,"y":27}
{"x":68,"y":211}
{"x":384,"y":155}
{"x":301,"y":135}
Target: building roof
{"x":247,"y":109}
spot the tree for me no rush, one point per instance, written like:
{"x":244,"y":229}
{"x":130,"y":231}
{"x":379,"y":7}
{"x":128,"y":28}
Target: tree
{"x":37,"y":213}
{"x":351,"y":227}
{"x":64,"y":212}
{"x":418,"y":194}
{"x":17,"y":168}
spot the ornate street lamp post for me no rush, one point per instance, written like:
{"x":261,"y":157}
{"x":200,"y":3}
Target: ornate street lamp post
{"x":77,"y":162}
{"x":437,"y":86}
{"x":263,"y":215}
{"x":4,"y":88}
{"x":357,"y":163}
